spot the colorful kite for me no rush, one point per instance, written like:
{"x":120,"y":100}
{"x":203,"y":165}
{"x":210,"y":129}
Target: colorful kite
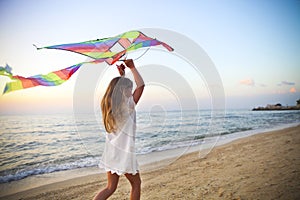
{"x":107,"y":50}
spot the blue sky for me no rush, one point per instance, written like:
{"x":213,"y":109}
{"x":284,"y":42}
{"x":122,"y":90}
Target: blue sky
{"x":253,"y":44}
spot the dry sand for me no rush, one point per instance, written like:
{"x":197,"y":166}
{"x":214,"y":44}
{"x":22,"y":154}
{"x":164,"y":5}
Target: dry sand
{"x":263,"y":166}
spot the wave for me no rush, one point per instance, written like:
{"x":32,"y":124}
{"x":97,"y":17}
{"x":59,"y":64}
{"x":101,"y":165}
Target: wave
{"x":23,"y":173}
{"x":188,"y":141}
{"x":236,"y":130}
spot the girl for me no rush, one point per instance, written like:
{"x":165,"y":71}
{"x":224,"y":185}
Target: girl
{"x":118,"y":112}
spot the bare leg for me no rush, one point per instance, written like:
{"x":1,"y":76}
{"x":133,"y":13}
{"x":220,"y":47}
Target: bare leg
{"x":112,"y":183}
{"x":135,"y":182}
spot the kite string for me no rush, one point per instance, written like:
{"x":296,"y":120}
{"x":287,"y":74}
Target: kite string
{"x":125,"y":55}
{"x":142,"y":54}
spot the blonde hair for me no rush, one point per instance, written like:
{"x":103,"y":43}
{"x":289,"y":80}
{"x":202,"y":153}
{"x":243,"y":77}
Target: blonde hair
{"x":112,"y":102}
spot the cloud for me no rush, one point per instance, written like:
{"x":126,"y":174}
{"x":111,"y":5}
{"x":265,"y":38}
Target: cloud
{"x":293,"y":90}
{"x":285,"y":83}
{"x":262,"y":85}
{"x":249,"y":82}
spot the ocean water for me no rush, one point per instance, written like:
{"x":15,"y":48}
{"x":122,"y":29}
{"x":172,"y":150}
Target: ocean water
{"x":41,"y":144}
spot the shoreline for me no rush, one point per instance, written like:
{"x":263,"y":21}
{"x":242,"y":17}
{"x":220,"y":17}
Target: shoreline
{"x":90,"y":177}
{"x":148,"y":162}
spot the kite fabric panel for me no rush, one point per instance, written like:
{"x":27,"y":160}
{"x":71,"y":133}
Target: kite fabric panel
{"x":107,"y":50}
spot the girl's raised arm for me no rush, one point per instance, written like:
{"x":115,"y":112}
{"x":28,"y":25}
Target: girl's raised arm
{"x":138,"y":80}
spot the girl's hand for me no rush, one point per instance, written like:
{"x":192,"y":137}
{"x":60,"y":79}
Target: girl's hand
{"x":129,"y":63}
{"x":121,"y":69}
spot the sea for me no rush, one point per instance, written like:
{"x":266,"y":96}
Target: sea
{"x":33,"y":145}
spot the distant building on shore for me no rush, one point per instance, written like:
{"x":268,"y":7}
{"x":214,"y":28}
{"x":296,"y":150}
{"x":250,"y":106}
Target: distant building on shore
{"x":278,"y":106}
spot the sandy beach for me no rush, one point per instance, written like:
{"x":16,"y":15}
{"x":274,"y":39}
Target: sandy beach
{"x":262,"y":166}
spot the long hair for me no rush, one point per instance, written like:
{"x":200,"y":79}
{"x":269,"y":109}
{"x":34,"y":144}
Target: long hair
{"x":112,"y":102}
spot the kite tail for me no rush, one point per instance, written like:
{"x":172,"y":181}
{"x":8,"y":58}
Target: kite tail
{"x":50,"y":79}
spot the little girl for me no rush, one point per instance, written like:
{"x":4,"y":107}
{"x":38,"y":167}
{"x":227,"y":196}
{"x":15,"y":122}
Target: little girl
{"x":118,"y":112}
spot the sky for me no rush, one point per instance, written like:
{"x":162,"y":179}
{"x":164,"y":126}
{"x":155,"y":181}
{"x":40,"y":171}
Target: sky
{"x":254,"y":46}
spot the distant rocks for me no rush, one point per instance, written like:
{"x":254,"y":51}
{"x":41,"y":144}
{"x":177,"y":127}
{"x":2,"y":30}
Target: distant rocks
{"x":278,"y":106}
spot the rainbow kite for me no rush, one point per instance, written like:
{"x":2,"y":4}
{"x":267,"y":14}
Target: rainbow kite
{"x":107,"y":50}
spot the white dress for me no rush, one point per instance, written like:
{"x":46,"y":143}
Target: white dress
{"x":119,"y":153}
